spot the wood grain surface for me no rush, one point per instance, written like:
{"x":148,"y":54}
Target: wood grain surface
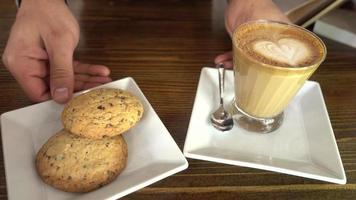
{"x":163,"y":45}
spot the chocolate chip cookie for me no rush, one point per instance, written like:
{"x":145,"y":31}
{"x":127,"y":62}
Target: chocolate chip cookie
{"x":104,"y":112}
{"x":76,"y":164}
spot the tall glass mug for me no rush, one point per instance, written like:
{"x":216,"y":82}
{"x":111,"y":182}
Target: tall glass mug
{"x":272,"y":61}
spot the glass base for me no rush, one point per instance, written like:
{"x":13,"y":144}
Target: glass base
{"x":253,"y":124}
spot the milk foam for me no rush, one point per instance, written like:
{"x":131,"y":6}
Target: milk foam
{"x":278,"y":44}
{"x":285,"y":50}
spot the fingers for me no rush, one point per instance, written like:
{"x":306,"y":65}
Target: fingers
{"x":228,"y":64}
{"x":94,"y":79}
{"x":225,"y":58}
{"x":88,"y":76}
{"x":83,"y":82}
{"x":60,"y":53}
{"x":95,"y":70}
{"x":79,"y":85}
{"x":35,"y":88}
{"x":29,"y":74}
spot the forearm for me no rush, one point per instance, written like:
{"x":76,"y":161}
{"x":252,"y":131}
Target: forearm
{"x":240,"y":11}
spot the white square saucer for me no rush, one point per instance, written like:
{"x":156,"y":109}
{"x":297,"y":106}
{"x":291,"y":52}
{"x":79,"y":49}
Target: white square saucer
{"x":303,"y":146}
{"x":152,"y":153}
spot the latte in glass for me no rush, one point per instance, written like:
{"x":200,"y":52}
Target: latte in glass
{"x":271,"y":62}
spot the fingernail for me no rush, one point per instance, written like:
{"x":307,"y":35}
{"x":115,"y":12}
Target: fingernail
{"x":61,"y":94}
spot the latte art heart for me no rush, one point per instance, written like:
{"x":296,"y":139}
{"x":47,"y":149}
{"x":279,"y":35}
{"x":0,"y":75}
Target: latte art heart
{"x":285,"y":50}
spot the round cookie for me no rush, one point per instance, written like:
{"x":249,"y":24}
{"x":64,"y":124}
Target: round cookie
{"x":102,"y":112}
{"x":75,"y":164}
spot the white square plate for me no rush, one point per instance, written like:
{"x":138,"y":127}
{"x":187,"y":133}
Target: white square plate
{"x":153,"y":154}
{"x":303,"y":146}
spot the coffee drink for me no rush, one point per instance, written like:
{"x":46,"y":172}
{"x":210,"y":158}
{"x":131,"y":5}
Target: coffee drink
{"x":271,"y":62}
{"x":279,"y":44}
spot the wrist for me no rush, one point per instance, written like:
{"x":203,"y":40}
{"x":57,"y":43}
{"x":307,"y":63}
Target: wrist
{"x":21,"y":2}
{"x":39,"y":8}
{"x":249,"y":1}
{"x":241,"y":11}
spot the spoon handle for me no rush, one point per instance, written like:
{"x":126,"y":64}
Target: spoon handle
{"x":221,"y":70}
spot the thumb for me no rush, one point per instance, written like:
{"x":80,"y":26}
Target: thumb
{"x":61,"y":70}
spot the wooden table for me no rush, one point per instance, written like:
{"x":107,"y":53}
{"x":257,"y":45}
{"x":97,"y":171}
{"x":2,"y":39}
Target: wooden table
{"x":163,"y":45}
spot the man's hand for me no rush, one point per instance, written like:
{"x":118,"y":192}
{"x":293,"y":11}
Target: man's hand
{"x":241,"y":11}
{"x":39,"y":52}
